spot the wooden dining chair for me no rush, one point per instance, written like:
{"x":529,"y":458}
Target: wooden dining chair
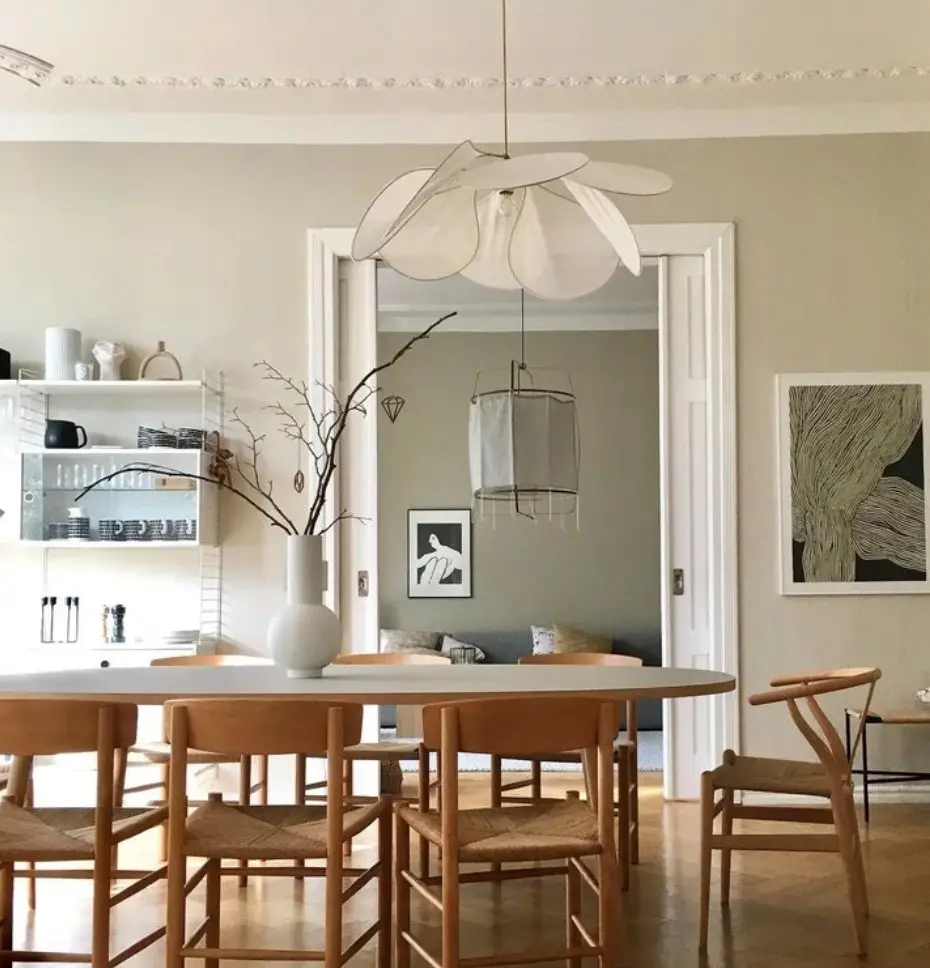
{"x":157,"y":753}
{"x":217,"y":830}
{"x":535,"y":836}
{"x":51,"y":835}
{"x":829,"y":777}
{"x":625,"y":756}
{"x":388,"y":753}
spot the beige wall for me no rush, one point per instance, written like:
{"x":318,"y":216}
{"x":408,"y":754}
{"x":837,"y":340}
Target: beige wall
{"x":521,"y":568}
{"x":205,"y":247}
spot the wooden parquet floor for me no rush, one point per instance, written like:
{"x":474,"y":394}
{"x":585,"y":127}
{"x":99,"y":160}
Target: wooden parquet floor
{"x":787,"y":911}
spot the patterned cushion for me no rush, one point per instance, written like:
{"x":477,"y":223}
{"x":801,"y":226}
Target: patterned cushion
{"x":400,"y":640}
{"x":574,"y":640}
{"x":543,"y":640}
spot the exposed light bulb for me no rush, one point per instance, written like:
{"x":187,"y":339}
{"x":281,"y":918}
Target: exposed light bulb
{"x":506,"y":206}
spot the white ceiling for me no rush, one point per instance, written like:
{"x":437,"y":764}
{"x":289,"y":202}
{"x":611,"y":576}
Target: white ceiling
{"x":420,"y":70}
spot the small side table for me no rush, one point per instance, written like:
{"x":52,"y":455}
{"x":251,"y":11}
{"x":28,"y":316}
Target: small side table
{"x":901,"y":717}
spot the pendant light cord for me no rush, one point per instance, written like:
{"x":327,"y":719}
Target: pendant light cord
{"x":506,"y":79}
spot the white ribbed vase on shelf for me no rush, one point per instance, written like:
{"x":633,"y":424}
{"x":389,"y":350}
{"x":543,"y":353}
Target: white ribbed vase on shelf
{"x":305,"y":635}
{"x":62,"y":351}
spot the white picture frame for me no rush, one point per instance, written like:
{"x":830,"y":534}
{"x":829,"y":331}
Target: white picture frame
{"x":853,"y":473}
{"x":439,"y":553}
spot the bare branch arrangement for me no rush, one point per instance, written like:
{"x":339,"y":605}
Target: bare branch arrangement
{"x":316,"y":428}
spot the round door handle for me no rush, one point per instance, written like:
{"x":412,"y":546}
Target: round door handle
{"x":105,"y":664}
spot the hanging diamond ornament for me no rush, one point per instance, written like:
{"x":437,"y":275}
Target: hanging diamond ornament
{"x":392,"y":406}
{"x":538,"y":222}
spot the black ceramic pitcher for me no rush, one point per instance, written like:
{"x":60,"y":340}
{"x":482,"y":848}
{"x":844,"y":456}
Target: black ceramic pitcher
{"x":63,"y":435}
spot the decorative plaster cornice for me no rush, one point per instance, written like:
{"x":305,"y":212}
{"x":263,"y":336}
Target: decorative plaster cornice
{"x":734,"y":79}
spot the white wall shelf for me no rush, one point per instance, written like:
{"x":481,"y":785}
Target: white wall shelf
{"x":108,"y":545}
{"x":117,"y":387}
{"x":130,"y":452}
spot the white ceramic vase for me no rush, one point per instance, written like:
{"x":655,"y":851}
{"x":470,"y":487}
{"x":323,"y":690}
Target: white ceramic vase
{"x":62,"y":351}
{"x":305,"y":635}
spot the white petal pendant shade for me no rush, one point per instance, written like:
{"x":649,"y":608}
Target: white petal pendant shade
{"x":536,"y":222}
{"x":524,"y":447}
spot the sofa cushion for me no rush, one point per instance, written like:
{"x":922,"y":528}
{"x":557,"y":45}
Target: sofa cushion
{"x":568,"y":640}
{"x":400,"y":640}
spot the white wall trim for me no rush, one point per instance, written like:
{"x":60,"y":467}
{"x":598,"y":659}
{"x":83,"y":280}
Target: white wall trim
{"x":715,"y":242}
{"x":469,"y":320}
{"x":431,"y":128}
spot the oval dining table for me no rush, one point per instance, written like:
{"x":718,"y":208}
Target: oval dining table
{"x":370,"y":685}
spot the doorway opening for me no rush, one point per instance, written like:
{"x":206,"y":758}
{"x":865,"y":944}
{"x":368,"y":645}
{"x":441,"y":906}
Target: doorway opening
{"x":691,"y":276}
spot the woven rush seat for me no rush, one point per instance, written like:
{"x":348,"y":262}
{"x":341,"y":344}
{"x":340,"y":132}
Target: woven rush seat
{"x":63,"y":833}
{"x":763,"y":775}
{"x":388,"y":749}
{"x":221,"y":830}
{"x":161,"y":753}
{"x":537,"y":832}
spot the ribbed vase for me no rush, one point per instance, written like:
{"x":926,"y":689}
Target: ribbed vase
{"x":305,"y":636}
{"x":62,"y":351}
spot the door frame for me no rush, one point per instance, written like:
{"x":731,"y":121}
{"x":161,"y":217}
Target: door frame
{"x":332,"y":355}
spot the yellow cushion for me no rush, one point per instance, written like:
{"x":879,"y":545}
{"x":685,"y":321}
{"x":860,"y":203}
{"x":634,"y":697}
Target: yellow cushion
{"x":575,"y":640}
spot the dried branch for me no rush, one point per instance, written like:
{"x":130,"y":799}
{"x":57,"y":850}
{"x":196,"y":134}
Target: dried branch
{"x":253,"y":478}
{"x":285,"y":525}
{"x":344,"y":515}
{"x":350,"y":406}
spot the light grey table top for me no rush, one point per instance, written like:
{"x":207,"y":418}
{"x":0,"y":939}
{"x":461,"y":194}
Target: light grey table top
{"x":372,"y":685}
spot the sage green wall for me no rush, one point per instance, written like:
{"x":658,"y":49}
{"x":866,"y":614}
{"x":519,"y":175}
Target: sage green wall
{"x":603,"y":576}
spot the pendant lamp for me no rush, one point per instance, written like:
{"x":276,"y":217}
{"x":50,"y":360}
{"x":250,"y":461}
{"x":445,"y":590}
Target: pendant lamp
{"x":523,"y":440}
{"x":542,"y":223}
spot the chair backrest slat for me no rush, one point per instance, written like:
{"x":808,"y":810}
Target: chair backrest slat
{"x":211,"y":660}
{"x":47,"y":727}
{"x":252,"y":727}
{"x":528,"y":726}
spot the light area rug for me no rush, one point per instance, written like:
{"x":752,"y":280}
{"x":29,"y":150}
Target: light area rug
{"x":650,"y":759}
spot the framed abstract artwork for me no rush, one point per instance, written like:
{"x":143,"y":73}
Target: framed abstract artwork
{"x":853,"y":470}
{"x":439,"y":562}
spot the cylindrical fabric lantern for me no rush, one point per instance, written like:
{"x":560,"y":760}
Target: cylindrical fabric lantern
{"x":524,"y":447}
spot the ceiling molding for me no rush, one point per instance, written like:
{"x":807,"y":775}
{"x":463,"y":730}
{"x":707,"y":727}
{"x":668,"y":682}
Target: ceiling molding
{"x":438,"y":128}
{"x":716,"y":79}
{"x":560,"y":321}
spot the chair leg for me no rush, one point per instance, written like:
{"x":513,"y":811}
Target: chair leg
{"x":451,"y":915}
{"x":348,"y":786}
{"x":300,"y":795}
{"x":497,"y":781}
{"x":175,"y":907}
{"x":165,"y":771}
{"x":423,"y":807}
{"x":31,"y":865}
{"x":120,"y":765}
{"x":263,"y":779}
{"x":213,"y":879}
{"x":536,"y":780}
{"x":726,"y":855}
{"x":385,"y":876}
{"x":6,"y":910}
{"x":858,"y":902}
{"x":572,"y":909}
{"x":623,"y":817}
{"x":707,"y":832}
{"x":100,"y":926}
{"x":402,"y":891}
{"x":612,"y":929}
{"x":634,"y":804}
{"x":332,"y":911}
{"x":245,"y":797}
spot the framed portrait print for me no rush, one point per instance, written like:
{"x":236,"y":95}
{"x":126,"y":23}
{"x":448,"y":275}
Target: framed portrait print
{"x":439,"y":554}
{"x":853,"y":466}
